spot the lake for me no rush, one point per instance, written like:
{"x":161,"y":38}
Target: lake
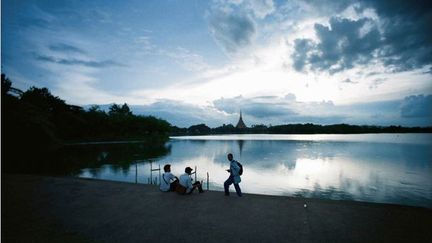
{"x":384,"y":168}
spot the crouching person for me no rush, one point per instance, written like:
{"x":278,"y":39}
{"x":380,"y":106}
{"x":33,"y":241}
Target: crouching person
{"x":185,"y":183}
{"x":169,"y":181}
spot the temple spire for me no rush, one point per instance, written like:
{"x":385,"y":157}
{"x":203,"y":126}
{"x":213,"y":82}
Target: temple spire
{"x":240,"y":123}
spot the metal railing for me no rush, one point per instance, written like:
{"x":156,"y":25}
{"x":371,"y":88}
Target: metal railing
{"x":157,"y":180}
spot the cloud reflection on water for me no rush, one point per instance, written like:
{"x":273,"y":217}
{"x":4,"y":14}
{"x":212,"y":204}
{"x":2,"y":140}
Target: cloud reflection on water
{"x":365,"y":171}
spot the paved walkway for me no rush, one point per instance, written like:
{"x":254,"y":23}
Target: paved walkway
{"x":50,"y":209}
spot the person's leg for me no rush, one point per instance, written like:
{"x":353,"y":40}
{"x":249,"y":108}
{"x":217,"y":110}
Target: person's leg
{"x":238,"y":190}
{"x":193,"y":188}
{"x":173,"y":185}
{"x":199,"y":186}
{"x":227,"y":183}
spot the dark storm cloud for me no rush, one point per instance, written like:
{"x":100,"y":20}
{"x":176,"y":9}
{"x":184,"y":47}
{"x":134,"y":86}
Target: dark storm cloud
{"x":404,"y":41}
{"x":301,"y":51}
{"x":416,"y":106}
{"x":61,"y":47}
{"x":341,"y":45}
{"x":232,"y":31}
{"x":407,"y":32}
{"x":72,"y":62}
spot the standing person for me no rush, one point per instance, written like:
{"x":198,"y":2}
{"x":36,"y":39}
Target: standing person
{"x":186,"y":182}
{"x":234,"y":177}
{"x":166,"y":184}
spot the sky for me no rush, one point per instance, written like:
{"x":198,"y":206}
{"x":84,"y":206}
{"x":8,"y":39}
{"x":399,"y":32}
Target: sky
{"x":191,"y":61}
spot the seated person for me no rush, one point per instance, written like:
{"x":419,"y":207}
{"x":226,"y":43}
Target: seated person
{"x":169,"y":181}
{"x":186,"y":182}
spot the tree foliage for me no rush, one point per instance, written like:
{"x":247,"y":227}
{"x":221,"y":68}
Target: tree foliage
{"x":35,"y":123}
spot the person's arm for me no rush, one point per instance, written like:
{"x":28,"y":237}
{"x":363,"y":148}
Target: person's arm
{"x":171,"y":176}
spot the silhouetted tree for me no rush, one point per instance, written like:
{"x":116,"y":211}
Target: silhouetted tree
{"x":5,"y":84}
{"x":38,"y":122}
{"x":123,"y":110}
{"x":199,"y":129}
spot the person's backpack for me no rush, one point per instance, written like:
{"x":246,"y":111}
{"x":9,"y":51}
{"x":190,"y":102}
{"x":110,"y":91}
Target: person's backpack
{"x":241,"y":168}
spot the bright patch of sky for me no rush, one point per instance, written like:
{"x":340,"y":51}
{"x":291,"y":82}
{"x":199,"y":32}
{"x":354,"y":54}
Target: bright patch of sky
{"x":358,"y":62}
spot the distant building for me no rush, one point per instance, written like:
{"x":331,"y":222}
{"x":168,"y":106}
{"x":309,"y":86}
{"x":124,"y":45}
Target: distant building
{"x":240,"y":123}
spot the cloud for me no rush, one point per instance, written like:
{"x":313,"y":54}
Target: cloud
{"x":76,"y":86}
{"x":398,"y":37}
{"x":329,"y":7}
{"x":261,"y":8}
{"x":145,"y":43}
{"x":232,"y":31}
{"x":341,"y":45}
{"x":416,"y":106}
{"x":408,"y":41}
{"x":183,"y":114}
{"x":377,"y":82}
{"x":186,"y":58}
{"x":258,"y":8}
{"x":280,"y":110}
{"x":283,"y":110}
{"x":258,"y":107}
{"x":62,"y":47}
{"x":231,"y":22}
{"x":349,"y":81}
{"x":73,"y":62}
{"x":301,"y":53}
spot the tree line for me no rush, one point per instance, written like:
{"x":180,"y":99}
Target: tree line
{"x":307,"y":128}
{"x":35,"y":123}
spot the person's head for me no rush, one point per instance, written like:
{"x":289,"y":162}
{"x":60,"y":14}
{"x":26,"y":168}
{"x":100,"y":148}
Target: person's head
{"x":230,"y":156}
{"x":188,"y":170}
{"x":167,"y":168}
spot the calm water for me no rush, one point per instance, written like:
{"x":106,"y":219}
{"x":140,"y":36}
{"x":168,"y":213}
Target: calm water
{"x":390,"y":168}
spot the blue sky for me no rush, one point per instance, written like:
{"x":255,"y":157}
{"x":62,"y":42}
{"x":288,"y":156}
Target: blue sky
{"x":358,"y":62}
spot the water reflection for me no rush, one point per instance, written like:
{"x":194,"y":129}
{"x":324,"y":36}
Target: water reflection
{"x":350,"y":169}
{"x":117,"y":158}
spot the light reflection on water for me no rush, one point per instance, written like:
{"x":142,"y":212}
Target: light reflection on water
{"x":391,"y":168}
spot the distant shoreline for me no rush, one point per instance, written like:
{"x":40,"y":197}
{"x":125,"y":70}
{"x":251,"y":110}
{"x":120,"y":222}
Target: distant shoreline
{"x":306,"y":128}
{"x":235,"y":136}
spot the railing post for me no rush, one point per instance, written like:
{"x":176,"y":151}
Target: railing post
{"x":136,"y":173}
{"x":151,"y":172}
{"x":207,"y":181}
{"x":155,"y":179}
